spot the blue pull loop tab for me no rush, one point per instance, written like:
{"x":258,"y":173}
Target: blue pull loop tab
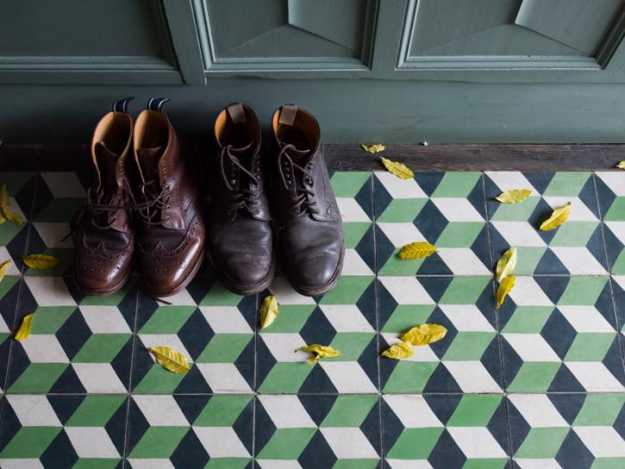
{"x":156,"y":104}
{"x":121,"y":105}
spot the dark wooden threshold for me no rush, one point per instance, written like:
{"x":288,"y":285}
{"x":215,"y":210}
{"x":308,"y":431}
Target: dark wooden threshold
{"x":454,"y":157}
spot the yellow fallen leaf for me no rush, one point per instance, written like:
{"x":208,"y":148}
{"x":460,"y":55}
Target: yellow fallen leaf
{"x":558,"y":217}
{"x":513,"y":196}
{"x":373,"y":148}
{"x":506,"y":264}
{"x":5,"y":207}
{"x":41,"y":261}
{"x":398,"y":351}
{"x":319,"y":351}
{"x":2,"y":219}
{"x":621,"y":165}
{"x":505,"y":287}
{"x":24,"y":330}
{"x":170,"y":359}
{"x":424,"y":334}
{"x":417,"y":250}
{"x":4,"y":268}
{"x":397,"y":169}
{"x":268,"y":311}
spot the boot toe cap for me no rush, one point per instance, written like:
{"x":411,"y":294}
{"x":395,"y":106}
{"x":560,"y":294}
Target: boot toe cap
{"x":316,"y":275}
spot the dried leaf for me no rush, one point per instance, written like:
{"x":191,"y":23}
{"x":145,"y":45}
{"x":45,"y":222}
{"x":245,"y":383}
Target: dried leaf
{"x":621,"y":165}
{"x":4,"y":268}
{"x":318,"y":352}
{"x":506,"y":264}
{"x":2,"y":219}
{"x":513,"y":196}
{"x":397,"y":169}
{"x":5,"y":207}
{"x":398,"y":351}
{"x":41,"y":261}
{"x":417,"y":250}
{"x":424,"y":334}
{"x":505,"y":287}
{"x":558,"y":217}
{"x":268,"y":311}
{"x":24,"y":330}
{"x":373,"y":148}
{"x":170,"y":359}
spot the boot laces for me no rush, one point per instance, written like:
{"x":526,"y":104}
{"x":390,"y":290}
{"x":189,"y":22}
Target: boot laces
{"x":154,"y":202}
{"x":243,"y":196}
{"x":303,"y":200}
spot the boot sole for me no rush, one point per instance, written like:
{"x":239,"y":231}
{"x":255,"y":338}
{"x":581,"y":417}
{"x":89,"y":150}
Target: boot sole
{"x":102,"y":291}
{"x":190,"y":276}
{"x":259,"y":287}
{"x":328,"y":286}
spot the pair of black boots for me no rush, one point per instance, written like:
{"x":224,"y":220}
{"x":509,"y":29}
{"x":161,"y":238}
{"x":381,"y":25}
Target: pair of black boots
{"x":274,"y":205}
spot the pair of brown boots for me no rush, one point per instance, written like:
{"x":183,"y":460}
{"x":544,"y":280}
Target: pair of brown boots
{"x":145,"y":207}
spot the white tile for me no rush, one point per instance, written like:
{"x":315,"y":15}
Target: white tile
{"x":33,"y":411}
{"x":507,"y":180}
{"x":99,"y":378}
{"x":346,"y":318}
{"x":348,"y":443}
{"x":400,"y":188}
{"x":5,"y":256}
{"x":287,"y":295}
{"x":21,"y":463}
{"x":278,"y":464}
{"x":161,"y":410}
{"x":476,"y":442}
{"x":467,"y":318}
{"x":463,"y":261}
{"x":92,"y":442}
{"x":49,"y":291}
{"x":181,"y":298}
{"x":579,"y":210}
{"x":538,"y":410}
{"x":159,"y":340}
{"x":603,"y":442}
{"x":471,"y":376}
{"x":54,"y":235}
{"x":614,"y":180}
{"x":351,"y":211}
{"x":105,"y":319}
{"x":44,"y":348}
{"x":585,"y":319}
{"x":519,"y":233}
{"x":221,"y":442}
{"x":412,"y":410}
{"x":63,"y":184}
{"x":527,"y":292}
{"x":286,"y":411}
{"x":618,"y":228}
{"x":225,"y":320}
{"x":409,"y":464}
{"x":353,"y":264}
{"x":579,"y":260}
{"x":531,"y":347}
{"x":400,"y":234}
{"x":283,"y":346}
{"x":348,"y":377}
{"x":594,"y":376}
{"x":457,"y":209}
{"x":406,"y":290}
{"x":223,"y":377}
{"x":537,"y":463}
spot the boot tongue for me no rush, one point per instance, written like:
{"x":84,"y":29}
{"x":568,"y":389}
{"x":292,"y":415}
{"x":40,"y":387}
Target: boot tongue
{"x":149,"y":159}
{"x":106,"y":161}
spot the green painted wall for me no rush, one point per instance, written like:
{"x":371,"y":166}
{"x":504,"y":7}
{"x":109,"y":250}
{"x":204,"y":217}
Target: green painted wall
{"x":371,"y":70}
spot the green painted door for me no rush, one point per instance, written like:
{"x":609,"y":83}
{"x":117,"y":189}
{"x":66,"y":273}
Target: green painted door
{"x":391,"y":70}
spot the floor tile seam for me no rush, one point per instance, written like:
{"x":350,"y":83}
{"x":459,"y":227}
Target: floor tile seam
{"x":129,"y":394}
{"x":29,"y":227}
{"x":602,"y":224}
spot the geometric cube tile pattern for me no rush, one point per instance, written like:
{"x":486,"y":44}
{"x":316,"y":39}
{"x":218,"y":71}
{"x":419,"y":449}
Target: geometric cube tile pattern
{"x":538,"y":383}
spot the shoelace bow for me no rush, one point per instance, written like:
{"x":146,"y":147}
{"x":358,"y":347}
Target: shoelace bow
{"x":243,"y":197}
{"x":304,"y":194}
{"x":153,"y":203}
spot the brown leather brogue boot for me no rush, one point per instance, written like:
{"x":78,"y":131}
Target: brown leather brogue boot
{"x":240,"y":242}
{"x":309,"y":229}
{"x":103,"y":239}
{"x":170,"y":228}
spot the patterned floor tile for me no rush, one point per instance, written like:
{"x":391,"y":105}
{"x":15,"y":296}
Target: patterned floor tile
{"x":567,"y":431}
{"x":190,"y":431}
{"x":445,"y":209}
{"x":317,"y":431}
{"x":211,"y":326}
{"x":575,"y":248}
{"x":42,"y":431}
{"x":611,"y":192}
{"x":559,"y":334}
{"x":445,"y":432}
{"x":467,"y":360}
{"x":77,"y":345}
{"x":343,"y":318}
